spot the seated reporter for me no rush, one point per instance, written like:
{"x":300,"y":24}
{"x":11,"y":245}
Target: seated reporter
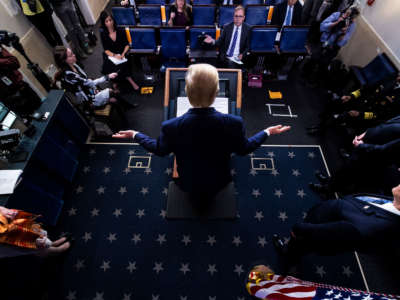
{"x":180,"y":14}
{"x":202,"y":139}
{"x":116,"y":45}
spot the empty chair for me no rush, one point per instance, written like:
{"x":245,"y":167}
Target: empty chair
{"x":257,"y":14}
{"x":203,"y":14}
{"x":262,"y":39}
{"x":173,"y":47}
{"x":379,"y":70}
{"x":203,"y":2}
{"x":196,"y":51}
{"x":252,"y":2}
{"x":124,"y":16}
{"x":159,"y":2}
{"x":149,"y":15}
{"x":143,"y":40}
{"x":226,"y":15}
{"x":293,"y":39}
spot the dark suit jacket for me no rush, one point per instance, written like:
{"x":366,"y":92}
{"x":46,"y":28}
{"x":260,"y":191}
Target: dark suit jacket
{"x":224,"y":40}
{"x":348,"y":224}
{"x":383,"y":133}
{"x":279,"y":14}
{"x":203,"y":141}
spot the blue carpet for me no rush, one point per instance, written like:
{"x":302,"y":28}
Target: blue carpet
{"x":126,"y":249}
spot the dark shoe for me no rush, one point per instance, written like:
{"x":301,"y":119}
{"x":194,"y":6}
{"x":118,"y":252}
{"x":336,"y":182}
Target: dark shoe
{"x":322,"y":178}
{"x":344,"y":154}
{"x":321,"y":189}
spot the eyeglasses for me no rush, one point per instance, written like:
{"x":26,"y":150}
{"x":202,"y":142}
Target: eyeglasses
{"x":238,"y":16}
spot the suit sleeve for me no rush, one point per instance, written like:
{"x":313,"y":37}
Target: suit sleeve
{"x":275,"y":16}
{"x":247,"y":44}
{"x":245,"y":145}
{"x":306,"y":12}
{"x":388,"y":150}
{"x":160,"y":146}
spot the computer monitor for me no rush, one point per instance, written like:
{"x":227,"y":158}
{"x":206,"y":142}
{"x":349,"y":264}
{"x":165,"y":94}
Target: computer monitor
{"x":223,"y":87}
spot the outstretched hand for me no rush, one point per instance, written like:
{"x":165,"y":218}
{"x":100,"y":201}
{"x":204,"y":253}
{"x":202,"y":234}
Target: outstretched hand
{"x":125,"y":134}
{"x":277,"y":129}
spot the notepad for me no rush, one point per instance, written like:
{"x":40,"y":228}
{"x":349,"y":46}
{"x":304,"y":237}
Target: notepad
{"x":274,"y":95}
{"x":8,"y":181}
{"x":117,"y":61}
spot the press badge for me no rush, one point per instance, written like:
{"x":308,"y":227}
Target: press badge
{"x":6,"y":80}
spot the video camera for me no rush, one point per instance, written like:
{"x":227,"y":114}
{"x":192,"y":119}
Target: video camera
{"x":8,"y":39}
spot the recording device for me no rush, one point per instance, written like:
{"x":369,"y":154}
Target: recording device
{"x":12,"y":40}
{"x":202,"y":43}
{"x":9,"y":139}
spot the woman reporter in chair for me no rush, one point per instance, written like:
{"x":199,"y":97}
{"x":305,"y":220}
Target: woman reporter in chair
{"x":115,"y":45}
{"x":180,"y":14}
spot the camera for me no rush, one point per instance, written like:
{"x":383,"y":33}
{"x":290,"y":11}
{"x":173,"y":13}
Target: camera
{"x":203,"y":45}
{"x":8,"y":39}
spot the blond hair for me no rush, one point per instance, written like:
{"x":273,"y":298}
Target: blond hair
{"x":239,"y":7}
{"x":202,"y":84}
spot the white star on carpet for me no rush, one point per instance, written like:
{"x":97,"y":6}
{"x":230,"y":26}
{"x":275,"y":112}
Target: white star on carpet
{"x":154,"y":297}
{"x":144,"y":190}
{"x":127,"y":171}
{"x":131,"y":152}
{"x":79,"y":265}
{"x":105,"y":266}
{"x":131,"y":267}
{"x":212,"y":298}
{"x":163,"y":213}
{"x":106,"y":170}
{"x":301,"y":193}
{"x":140,"y":213}
{"x":72,"y":211}
{"x":211,"y":240}
{"x":347,"y":271}
{"x":184,"y":268}
{"x":278,"y":193}
{"x":183,"y":298}
{"x":87,"y":236}
{"x":338,"y":296}
{"x":161,"y":239}
{"x":168,"y":171}
{"x":101,"y":190}
{"x":367,"y":297}
{"x":282,"y":216}
{"x":112,"y":237}
{"x":122,"y":190}
{"x":71,"y":295}
{"x":165,"y":191}
{"x":237,"y":241}
{"x":99,"y":296}
{"x":127,"y":297}
{"x":147,"y":171}
{"x":186,"y":239}
{"x":291,"y":154}
{"x":79,"y":189}
{"x":238,"y":269}
{"x":296,"y":172}
{"x":271,"y":154}
{"x":253,"y":172}
{"x":320,"y":271}
{"x":111,"y":152}
{"x":311,"y":154}
{"x":274,"y":172}
{"x":136,"y":238}
{"x":233,"y":172}
{"x":328,"y":293}
{"x":86,"y":169}
{"x":117,"y":212}
{"x":212,"y":269}
{"x":158,"y":267}
{"x":262,"y":241}
{"x":92,"y":151}
{"x":259,"y":215}
{"x":256,"y":193}
{"x":94,"y":212}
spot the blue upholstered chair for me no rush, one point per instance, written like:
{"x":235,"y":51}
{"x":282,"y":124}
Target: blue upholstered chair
{"x":143,"y":40}
{"x":252,"y":2}
{"x":378,"y":71}
{"x":293,"y":40}
{"x":257,"y":14}
{"x":203,"y":2}
{"x":203,"y":15}
{"x":173,"y":47}
{"x":150,"y":15}
{"x":262,"y":39}
{"x":225,"y":15}
{"x":159,"y":2}
{"x":124,"y":16}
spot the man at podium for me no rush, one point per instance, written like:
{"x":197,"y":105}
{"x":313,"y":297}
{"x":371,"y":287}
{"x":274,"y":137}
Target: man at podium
{"x":202,"y":139}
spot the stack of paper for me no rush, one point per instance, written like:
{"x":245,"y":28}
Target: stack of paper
{"x":8,"y":181}
{"x":183,"y":105}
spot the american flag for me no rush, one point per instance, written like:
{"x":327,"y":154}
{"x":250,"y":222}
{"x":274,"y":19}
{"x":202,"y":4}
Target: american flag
{"x":291,"y":288}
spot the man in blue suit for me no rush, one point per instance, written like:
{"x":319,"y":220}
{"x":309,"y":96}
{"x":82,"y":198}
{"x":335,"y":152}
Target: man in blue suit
{"x":202,"y":139}
{"x":366,"y":223}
